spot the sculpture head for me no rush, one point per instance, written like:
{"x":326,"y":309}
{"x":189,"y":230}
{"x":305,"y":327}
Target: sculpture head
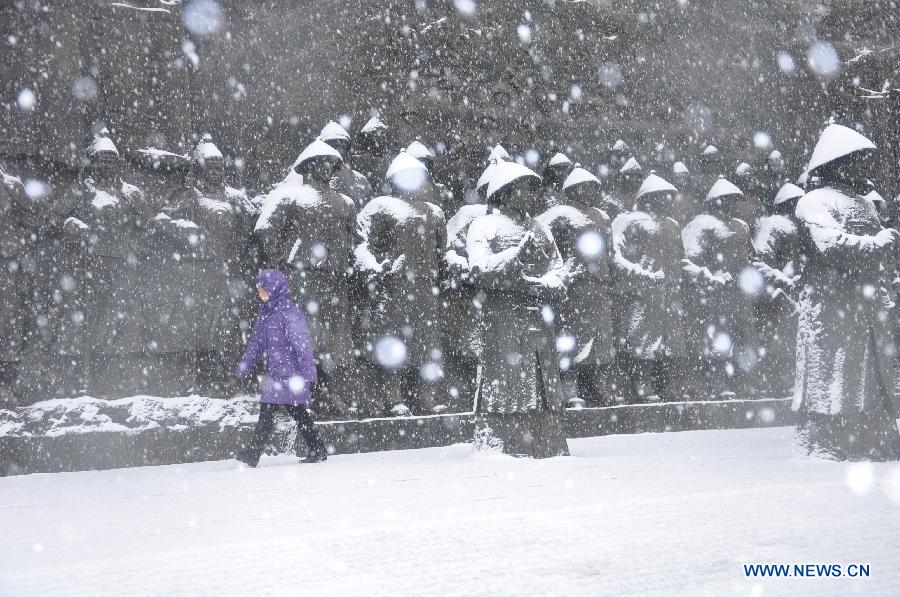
{"x":104,"y":158}
{"x":209,"y":164}
{"x":317,"y":162}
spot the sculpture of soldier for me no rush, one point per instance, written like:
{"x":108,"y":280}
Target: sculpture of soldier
{"x":200,"y":243}
{"x":373,"y":154}
{"x":618,"y":155}
{"x":403,"y":238}
{"x":717,"y":269}
{"x":772,"y":177}
{"x":438,"y":194}
{"x":687,"y":204}
{"x":112,"y":212}
{"x":553,"y":176}
{"x":307,"y":229}
{"x":649,"y":312}
{"x":585,"y":341}
{"x":497,"y":154}
{"x":345,"y":180}
{"x":625,"y":184}
{"x":710,"y":166}
{"x":461,"y":343}
{"x":844,"y":391}
{"x":15,"y":241}
{"x":61,"y":292}
{"x":514,"y":260}
{"x":778,"y":258}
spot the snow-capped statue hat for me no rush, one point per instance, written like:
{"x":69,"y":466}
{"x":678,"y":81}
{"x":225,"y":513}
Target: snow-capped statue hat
{"x":679,"y":169}
{"x":206,"y":149}
{"x":653,"y":185}
{"x":743,"y":169}
{"x":835,"y":142}
{"x":620,"y":146}
{"x":334,"y":132}
{"x":499,"y":153}
{"x":406,"y":172}
{"x":317,"y":151}
{"x":875,"y":197}
{"x":775,"y":161}
{"x":418,"y":150}
{"x":787,"y":192}
{"x":721,"y":189}
{"x":630,"y":167}
{"x":710,"y":152}
{"x":373,"y":125}
{"x":559,"y":159}
{"x":101,"y":143}
{"x":579,"y":176}
{"x":507,"y":175}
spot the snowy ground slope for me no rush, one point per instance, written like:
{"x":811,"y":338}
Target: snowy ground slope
{"x":674,"y":513}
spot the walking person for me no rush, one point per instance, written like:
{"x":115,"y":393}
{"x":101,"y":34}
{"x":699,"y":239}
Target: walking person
{"x":281,"y":334}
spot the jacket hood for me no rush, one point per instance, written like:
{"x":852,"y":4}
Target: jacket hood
{"x":275,"y":284}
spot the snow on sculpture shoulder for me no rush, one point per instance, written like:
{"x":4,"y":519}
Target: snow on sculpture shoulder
{"x":464,"y":217}
{"x":770,"y":230}
{"x":564,"y":215}
{"x":628,"y":222}
{"x":299,"y":194}
{"x":103,"y":200}
{"x":703,"y":225}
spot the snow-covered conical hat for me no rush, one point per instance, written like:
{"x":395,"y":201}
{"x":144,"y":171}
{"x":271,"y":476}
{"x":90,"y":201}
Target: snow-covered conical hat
{"x":403,"y":162}
{"x":620,"y":146}
{"x":723,"y":188}
{"x":485,"y":177}
{"x":654,"y":184}
{"x":499,"y":153}
{"x":373,"y":125}
{"x":710,"y":151}
{"x":630,"y":167}
{"x":743,"y":169}
{"x":787,"y":192}
{"x":206,"y":149}
{"x":406,"y":172}
{"x":334,"y":132}
{"x":835,"y":142}
{"x":559,"y":159}
{"x":101,"y":143}
{"x":509,"y":174}
{"x":679,"y":169}
{"x":418,"y":150}
{"x":316,"y":151}
{"x":875,"y":197}
{"x":579,"y":176}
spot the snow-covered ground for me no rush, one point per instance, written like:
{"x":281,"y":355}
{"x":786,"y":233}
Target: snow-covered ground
{"x":675,"y":513}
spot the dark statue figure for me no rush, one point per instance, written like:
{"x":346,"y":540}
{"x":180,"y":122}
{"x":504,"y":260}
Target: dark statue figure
{"x":513,"y":259}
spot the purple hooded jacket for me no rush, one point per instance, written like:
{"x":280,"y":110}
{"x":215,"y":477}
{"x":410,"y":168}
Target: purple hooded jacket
{"x":281,"y":334}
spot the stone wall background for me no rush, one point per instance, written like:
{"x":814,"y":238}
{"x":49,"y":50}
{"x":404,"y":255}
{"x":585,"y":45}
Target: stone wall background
{"x":683,"y":73}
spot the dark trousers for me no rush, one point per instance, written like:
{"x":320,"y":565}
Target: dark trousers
{"x":305,"y":426}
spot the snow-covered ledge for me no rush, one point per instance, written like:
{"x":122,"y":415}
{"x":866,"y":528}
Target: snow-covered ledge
{"x":89,"y":433}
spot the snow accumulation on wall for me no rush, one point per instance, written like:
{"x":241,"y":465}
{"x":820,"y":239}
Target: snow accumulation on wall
{"x":57,"y":417}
